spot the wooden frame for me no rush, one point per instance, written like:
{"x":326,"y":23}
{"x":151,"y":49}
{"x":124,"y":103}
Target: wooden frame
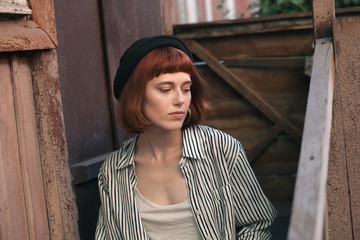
{"x":35,"y":34}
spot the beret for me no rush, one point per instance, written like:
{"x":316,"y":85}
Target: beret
{"x":137,"y":51}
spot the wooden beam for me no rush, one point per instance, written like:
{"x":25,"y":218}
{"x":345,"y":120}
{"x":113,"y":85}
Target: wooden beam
{"x":87,"y":170}
{"x":261,"y":146}
{"x":244,"y":90}
{"x":323,"y":18}
{"x":23,"y":36}
{"x":60,"y":199}
{"x":206,"y":30}
{"x":307,"y":219}
{"x":267,"y":62}
{"x":38,"y":34}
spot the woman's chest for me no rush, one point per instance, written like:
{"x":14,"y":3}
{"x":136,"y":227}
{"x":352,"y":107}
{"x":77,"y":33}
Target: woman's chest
{"x":163,"y":184}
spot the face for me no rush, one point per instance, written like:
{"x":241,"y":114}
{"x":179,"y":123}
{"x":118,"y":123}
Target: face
{"x":167,"y":100}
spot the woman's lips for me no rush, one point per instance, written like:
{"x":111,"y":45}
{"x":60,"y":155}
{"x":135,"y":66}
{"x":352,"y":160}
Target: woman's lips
{"x":177,"y":114}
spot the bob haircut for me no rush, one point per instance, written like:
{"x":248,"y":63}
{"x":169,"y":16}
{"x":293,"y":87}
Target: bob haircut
{"x":160,"y":61}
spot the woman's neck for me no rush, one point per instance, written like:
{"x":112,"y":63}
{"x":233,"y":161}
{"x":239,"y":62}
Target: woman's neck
{"x":159,"y":144}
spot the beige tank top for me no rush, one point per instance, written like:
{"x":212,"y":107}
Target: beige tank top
{"x":167,"y":222}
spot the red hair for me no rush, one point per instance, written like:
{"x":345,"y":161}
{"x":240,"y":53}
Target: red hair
{"x":160,"y":61}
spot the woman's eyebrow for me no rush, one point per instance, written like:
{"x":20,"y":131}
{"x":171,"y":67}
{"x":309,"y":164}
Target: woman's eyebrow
{"x":172,"y":83}
{"x":165,"y":83}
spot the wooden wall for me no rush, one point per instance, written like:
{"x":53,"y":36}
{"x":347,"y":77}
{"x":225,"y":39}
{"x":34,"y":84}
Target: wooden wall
{"x":344,"y":164}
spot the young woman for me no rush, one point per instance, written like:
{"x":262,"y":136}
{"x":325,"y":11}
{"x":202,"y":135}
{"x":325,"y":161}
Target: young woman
{"x":175,"y":179}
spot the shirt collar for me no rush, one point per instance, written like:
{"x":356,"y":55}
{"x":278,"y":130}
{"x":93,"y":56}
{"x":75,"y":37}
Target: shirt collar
{"x":127,"y":153}
{"x":192,"y":147}
{"x":192,"y":143}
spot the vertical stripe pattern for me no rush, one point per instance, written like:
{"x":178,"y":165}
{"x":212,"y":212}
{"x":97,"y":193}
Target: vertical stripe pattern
{"x":225,"y":197}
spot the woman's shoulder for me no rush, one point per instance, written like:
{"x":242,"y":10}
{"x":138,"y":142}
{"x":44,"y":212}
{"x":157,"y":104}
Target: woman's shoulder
{"x":211,"y":132}
{"x":212,"y":136}
{"x":119,"y":157}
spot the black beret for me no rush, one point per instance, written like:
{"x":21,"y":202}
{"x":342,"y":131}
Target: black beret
{"x":137,"y":51}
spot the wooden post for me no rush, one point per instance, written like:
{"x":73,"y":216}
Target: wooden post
{"x":323,"y":18}
{"x":60,"y":199}
{"x":307,"y":219}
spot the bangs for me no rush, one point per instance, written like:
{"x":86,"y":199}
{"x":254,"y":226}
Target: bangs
{"x":166,"y":60}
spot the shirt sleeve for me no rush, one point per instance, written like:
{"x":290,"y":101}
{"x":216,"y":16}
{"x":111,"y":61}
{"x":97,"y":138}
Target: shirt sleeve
{"x":253,"y":211}
{"x":106,"y":227}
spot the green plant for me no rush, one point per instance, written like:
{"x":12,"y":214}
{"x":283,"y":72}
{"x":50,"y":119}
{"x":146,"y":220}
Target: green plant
{"x":270,"y":7}
{"x":346,"y":3}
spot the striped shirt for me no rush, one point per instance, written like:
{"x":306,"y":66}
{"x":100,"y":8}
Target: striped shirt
{"x":225,"y":197}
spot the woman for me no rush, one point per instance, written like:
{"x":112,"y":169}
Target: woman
{"x":175,"y":179}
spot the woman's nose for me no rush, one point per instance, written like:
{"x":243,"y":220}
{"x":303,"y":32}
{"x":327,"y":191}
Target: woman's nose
{"x":179,"y":98}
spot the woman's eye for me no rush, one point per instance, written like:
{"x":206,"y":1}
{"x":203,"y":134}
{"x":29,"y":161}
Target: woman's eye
{"x":186,"y":90}
{"x":165,"y":90}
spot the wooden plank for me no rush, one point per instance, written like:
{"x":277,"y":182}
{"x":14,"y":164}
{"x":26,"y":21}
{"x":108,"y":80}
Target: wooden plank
{"x":307,"y":220}
{"x":244,"y":90}
{"x":87,"y":170}
{"x":323,"y":18}
{"x":277,"y":22}
{"x":13,"y":219}
{"x":247,"y":126}
{"x":291,"y":108}
{"x":283,"y":43}
{"x":23,"y":35}
{"x":265,"y":62}
{"x":279,"y":159}
{"x":274,"y":82}
{"x":60,"y":199}
{"x":344,"y":164}
{"x":243,"y":26}
{"x":268,"y":138}
{"x":347,"y":12}
{"x":29,"y":149}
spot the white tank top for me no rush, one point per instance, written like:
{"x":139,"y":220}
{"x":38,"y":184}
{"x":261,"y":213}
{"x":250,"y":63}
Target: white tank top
{"x":167,"y":222}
